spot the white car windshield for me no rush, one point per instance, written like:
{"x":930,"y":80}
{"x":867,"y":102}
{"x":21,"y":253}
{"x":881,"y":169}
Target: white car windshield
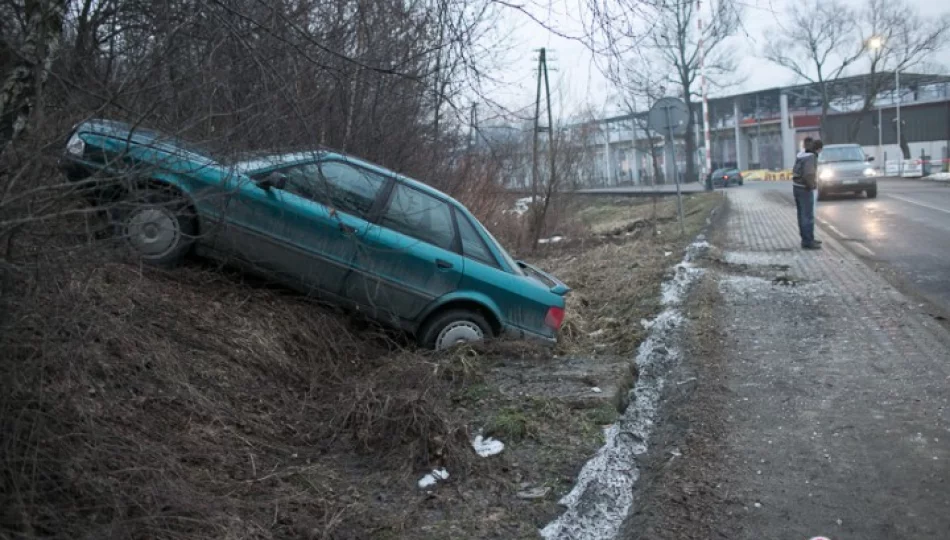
{"x":845,"y":153}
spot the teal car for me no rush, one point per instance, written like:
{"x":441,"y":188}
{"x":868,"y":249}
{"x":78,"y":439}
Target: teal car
{"x":325,"y":223}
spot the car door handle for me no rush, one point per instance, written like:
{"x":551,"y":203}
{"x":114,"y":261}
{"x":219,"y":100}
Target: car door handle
{"x":346,"y":228}
{"x":443,"y":264}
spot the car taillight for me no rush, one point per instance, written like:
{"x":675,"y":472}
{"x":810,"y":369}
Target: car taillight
{"x":725,"y":177}
{"x":554,"y":318}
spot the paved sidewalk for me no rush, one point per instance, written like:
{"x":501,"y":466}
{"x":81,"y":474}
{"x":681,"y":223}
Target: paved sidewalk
{"x":838,"y":407}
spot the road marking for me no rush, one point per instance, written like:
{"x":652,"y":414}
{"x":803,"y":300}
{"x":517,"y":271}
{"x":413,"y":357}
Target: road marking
{"x":832,"y":227}
{"x":925,"y":205}
{"x":845,"y":238}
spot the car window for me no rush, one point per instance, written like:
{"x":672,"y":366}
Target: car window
{"x":420,"y":216}
{"x":841,"y":153}
{"x":473,"y":246}
{"x":349,"y":188}
{"x":302,"y":180}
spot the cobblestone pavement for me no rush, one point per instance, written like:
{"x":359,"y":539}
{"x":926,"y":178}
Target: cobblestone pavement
{"x":837,"y":418}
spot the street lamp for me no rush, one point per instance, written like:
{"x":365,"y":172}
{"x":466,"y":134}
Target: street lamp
{"x":876,"y":43}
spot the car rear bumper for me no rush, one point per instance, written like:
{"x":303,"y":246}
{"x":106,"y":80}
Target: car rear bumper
{"x":847,"y":185}
{"x":514,"y":332}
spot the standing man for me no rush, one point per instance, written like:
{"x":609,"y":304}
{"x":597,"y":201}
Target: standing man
{"x":805,"y":186}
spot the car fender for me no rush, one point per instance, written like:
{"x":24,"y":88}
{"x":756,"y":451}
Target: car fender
{"x":481,"y":299}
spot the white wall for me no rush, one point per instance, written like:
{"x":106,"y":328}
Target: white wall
{"x":935,"y":149}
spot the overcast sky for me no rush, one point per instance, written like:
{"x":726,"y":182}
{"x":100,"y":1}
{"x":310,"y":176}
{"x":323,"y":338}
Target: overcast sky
{"x":580,"y":84}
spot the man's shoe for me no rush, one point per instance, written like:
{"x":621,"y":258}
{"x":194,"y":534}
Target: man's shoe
{"x":817,"y":242}
{"x":814,"y":245}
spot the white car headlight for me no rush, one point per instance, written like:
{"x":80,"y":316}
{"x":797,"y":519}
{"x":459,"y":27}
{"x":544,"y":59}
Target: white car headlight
{"x":75,"y":145}
{"x":826,"y":174}
{"x":870,"y":172}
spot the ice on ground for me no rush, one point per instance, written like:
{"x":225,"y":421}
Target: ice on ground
{"x":486,"y":447}
{"x":433,"y":477}
{"x":603,"y":495}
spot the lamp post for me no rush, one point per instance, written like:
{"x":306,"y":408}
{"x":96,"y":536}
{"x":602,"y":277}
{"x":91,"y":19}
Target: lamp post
{"x":876,"y":43}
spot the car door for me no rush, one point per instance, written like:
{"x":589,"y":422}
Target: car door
{"x":409,"y":259}
{"x":306,"y":231}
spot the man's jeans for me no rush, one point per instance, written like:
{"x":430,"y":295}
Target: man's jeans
{"x":805,"y":203}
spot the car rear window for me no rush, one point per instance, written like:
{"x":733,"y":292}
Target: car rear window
{"x":473,"y":246}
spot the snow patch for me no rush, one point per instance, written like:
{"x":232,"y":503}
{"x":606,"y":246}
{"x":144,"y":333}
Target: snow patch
{"x":433,"y":477}
{"x":603,"y":495}
{"x":942,"y":176}
{"x":486,"y":447}
{"x":522,"y":206}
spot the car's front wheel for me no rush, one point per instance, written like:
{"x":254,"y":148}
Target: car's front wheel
{"x":157,"y":225}
{"x":872,"y":193}
{"x":454,"y":327}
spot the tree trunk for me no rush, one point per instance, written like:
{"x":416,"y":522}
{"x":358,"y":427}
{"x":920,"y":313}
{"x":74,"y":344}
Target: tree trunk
{"x":44,"y":22}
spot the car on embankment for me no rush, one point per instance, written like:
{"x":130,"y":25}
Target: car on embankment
{"x":325,"y":223}
{"x":844,"y":168}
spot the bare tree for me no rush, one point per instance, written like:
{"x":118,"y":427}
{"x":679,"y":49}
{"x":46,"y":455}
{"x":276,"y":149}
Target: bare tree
{"x":818,"y":42}
{"x":657,"y":52}
{"x":898,"y":38}
{"x":42,"y":24}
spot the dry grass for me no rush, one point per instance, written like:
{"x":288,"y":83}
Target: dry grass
{"x":136,"y":403}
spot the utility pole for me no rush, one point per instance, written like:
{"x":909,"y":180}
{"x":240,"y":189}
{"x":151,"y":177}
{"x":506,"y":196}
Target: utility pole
{"x":536,"y":130}
{"x":535,"y":173}
{"x":547,"y":93}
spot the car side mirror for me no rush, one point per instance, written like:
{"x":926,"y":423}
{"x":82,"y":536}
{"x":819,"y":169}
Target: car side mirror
{"x":870,"y":159}
{"x":272,"y":180}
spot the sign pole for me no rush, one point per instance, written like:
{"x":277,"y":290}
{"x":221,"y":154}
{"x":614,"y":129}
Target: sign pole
{"x":676,"y":176}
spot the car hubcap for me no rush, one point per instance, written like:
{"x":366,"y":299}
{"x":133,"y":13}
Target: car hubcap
{"x":153,"y":232}
{"x":458,"y":332}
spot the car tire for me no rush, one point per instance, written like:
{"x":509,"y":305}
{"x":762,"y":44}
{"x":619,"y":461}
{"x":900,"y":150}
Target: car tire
{"x":821,"y":195}
{"x":155,"y":225}
{"x":872,"y":193}
{"x":453,"y":327}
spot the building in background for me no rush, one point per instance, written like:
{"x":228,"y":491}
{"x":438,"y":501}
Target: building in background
{"x":748,"y":132}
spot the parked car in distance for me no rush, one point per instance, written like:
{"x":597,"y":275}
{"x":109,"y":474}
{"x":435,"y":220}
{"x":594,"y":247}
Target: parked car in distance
{"x":844,"y":168}
{"x":327,"y":224}
{"x":726,"y":178}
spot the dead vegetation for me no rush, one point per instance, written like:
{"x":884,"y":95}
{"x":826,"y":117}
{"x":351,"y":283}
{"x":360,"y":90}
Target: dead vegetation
{"x":137,"y":403}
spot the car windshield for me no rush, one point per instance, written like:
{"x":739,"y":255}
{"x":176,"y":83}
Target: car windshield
{"x":844,"y":153}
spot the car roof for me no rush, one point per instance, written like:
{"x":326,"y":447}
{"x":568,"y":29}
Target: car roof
{"x":273,"y":161}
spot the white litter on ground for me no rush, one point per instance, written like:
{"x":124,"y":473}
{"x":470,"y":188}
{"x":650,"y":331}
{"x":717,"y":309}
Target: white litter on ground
{"x":603,"y":495}
{"x":522,"y":206}
{"x":433,"y":477}
{"x":486,"y":447}
{"x":552,"y":240}
{"x":596,"y":390}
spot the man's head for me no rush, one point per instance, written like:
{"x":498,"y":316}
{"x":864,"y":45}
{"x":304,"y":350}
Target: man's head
{"x":807,"y":143}
{"x":816,"y":146}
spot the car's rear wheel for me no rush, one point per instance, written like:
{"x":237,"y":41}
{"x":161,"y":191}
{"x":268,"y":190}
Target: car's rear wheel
{"x":454,"y":327}
{"x":872,"y":193}
{"x":155,"y":225}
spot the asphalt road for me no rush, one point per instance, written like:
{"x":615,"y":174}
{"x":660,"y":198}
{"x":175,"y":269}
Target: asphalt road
{"x":905,"y":231}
